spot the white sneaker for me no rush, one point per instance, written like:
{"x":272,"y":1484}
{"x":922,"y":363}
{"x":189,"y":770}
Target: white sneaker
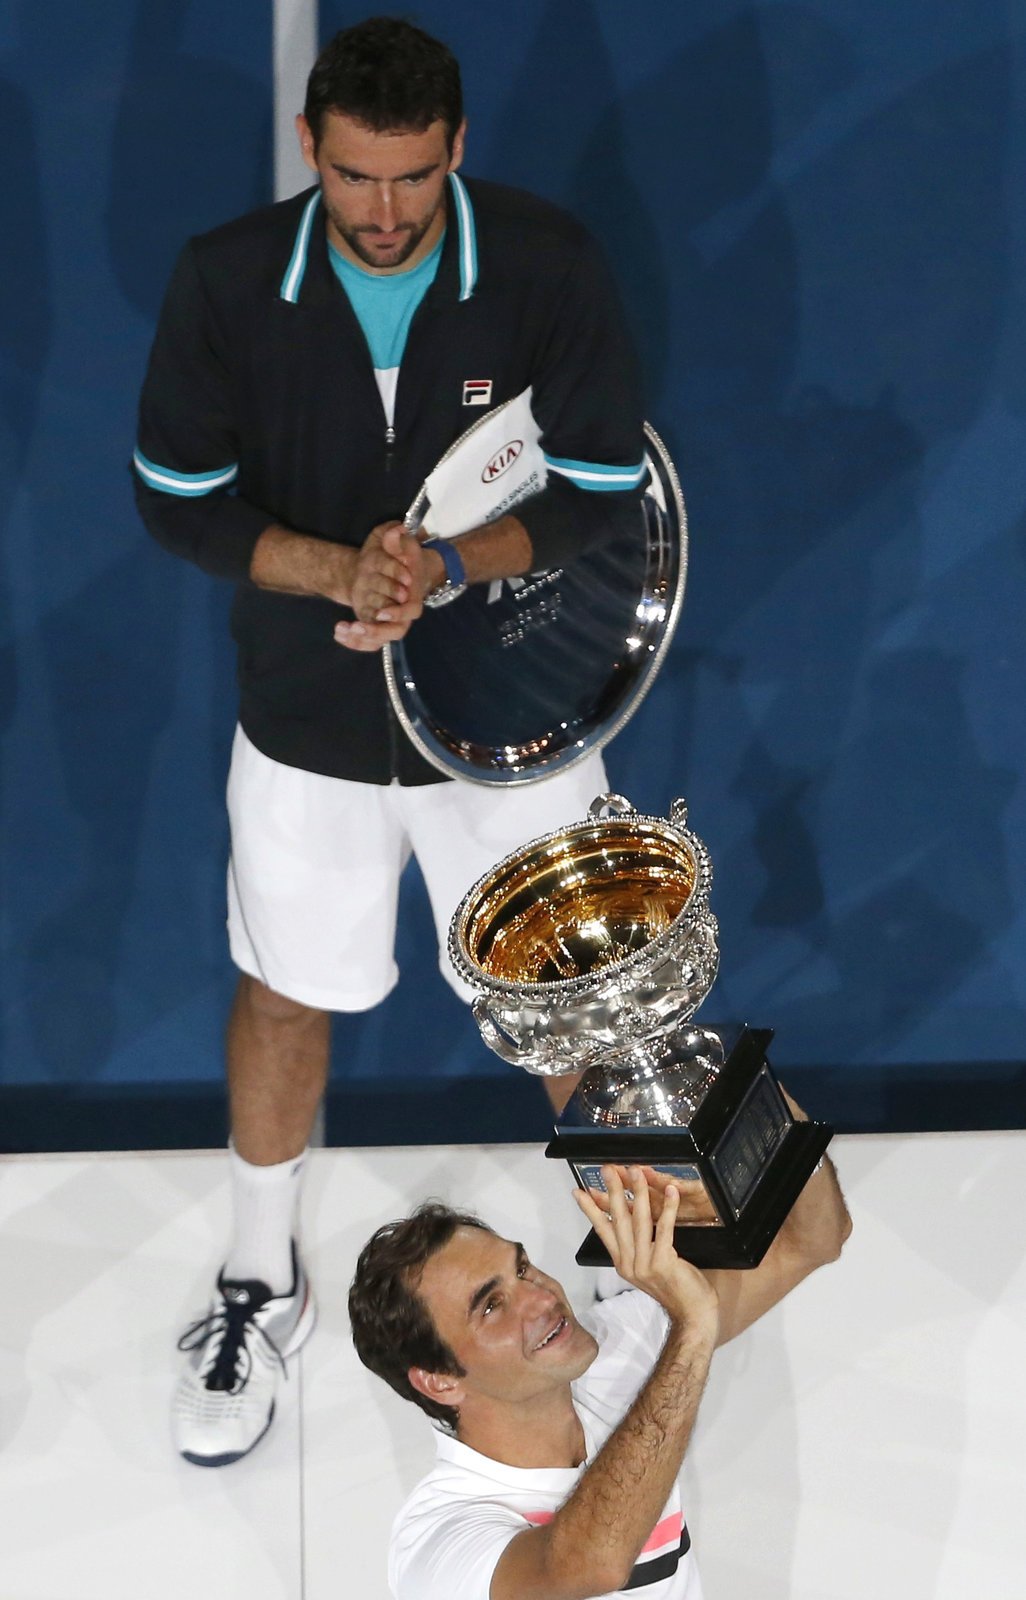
{"x":224,"y":1402}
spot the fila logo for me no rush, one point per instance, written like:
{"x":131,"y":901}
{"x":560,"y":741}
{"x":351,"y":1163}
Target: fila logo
{"x":477,"y":392}
{"x":502,"y":460}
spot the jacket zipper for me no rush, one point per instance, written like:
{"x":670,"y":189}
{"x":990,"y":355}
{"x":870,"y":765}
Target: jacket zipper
{"x":393,"y":751}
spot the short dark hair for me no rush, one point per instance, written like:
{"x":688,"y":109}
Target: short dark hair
{"x":388,"y":75}
{"x":392,"y":1327}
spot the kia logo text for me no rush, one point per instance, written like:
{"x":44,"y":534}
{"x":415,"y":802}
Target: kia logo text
{"x":502,"y":460}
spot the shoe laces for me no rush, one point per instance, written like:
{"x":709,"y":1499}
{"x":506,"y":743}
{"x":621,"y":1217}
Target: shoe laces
{"x":232,"y":1323}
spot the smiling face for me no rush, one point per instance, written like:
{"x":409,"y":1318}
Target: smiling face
{"x":384,"y":193}
{"x":508,"y":1324}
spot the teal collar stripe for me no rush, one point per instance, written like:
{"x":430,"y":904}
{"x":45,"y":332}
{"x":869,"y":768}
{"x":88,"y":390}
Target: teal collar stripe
{"x":468,"y":236}
{"x":593,"y":475}
{"x":293,"y":279}
{"x":187,"y":483}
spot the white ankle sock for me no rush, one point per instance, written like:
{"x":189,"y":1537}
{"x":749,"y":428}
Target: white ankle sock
{"x":264,"y":1203}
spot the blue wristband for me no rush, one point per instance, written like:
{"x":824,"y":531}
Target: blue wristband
{"x":455,"y":571}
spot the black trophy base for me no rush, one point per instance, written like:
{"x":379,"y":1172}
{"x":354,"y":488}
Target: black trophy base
{"x":745,"y":1243}
{"x":742,"y":1144}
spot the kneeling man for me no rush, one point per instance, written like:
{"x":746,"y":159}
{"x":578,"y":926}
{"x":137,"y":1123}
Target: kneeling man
{"x":560,"y":1438}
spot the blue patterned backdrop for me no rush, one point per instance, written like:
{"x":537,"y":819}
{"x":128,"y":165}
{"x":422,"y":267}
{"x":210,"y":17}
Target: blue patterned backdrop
{"x":817,"y":217}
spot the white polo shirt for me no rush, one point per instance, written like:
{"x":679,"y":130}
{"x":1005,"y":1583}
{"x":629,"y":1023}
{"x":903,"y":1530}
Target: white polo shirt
{"x":448,"y":1537}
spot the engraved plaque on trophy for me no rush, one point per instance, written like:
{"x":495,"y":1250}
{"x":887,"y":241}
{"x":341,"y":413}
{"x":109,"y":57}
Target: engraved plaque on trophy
{"x":591,"y":948}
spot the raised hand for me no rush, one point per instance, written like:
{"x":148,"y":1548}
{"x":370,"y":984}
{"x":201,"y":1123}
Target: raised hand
{"x":693,"y":1204}
{"x":641,"y":1248}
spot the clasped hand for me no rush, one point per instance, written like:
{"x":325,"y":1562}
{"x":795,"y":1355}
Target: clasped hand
{"x":390,"y":579}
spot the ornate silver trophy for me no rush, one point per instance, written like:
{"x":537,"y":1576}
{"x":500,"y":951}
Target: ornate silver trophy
{"x":591,"y":948}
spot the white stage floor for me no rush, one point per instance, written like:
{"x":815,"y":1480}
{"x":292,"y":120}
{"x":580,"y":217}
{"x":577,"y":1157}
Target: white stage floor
{"x":866,"y":1439}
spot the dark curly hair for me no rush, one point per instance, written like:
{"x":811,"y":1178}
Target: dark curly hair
{"x":388,"y":75}
{"x":392,"y":1327}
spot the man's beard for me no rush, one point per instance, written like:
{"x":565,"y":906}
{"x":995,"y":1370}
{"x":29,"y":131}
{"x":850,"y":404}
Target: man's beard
{"x":355,"y":237}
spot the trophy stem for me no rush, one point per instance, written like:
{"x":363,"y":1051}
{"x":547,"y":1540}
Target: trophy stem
{"x":656,"y":1082}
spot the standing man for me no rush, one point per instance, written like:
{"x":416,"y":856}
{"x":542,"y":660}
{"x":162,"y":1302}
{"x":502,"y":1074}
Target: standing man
{"x":560,"y":1439}
{"x":312,"y":362}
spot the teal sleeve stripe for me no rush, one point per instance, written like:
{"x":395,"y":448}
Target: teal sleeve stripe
{"x":468,"y":237}
{"x":187,"y":483}
{"x":293,"y":279}
{"x":593,"y":475}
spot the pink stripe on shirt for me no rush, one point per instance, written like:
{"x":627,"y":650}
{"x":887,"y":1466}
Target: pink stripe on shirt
{"x":664,"y":1533}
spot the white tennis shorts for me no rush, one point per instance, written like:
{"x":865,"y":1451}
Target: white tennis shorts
{"x":313,"y":880}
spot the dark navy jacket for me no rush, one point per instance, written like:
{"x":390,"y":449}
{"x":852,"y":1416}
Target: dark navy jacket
{"x":260,"y":406}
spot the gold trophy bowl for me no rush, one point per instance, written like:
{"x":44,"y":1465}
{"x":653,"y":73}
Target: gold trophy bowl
{"x":589,"y":940}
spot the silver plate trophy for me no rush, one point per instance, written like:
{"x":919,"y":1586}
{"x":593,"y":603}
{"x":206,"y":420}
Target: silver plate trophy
{"x":591,"y":948}
{"x":522,"y":678}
